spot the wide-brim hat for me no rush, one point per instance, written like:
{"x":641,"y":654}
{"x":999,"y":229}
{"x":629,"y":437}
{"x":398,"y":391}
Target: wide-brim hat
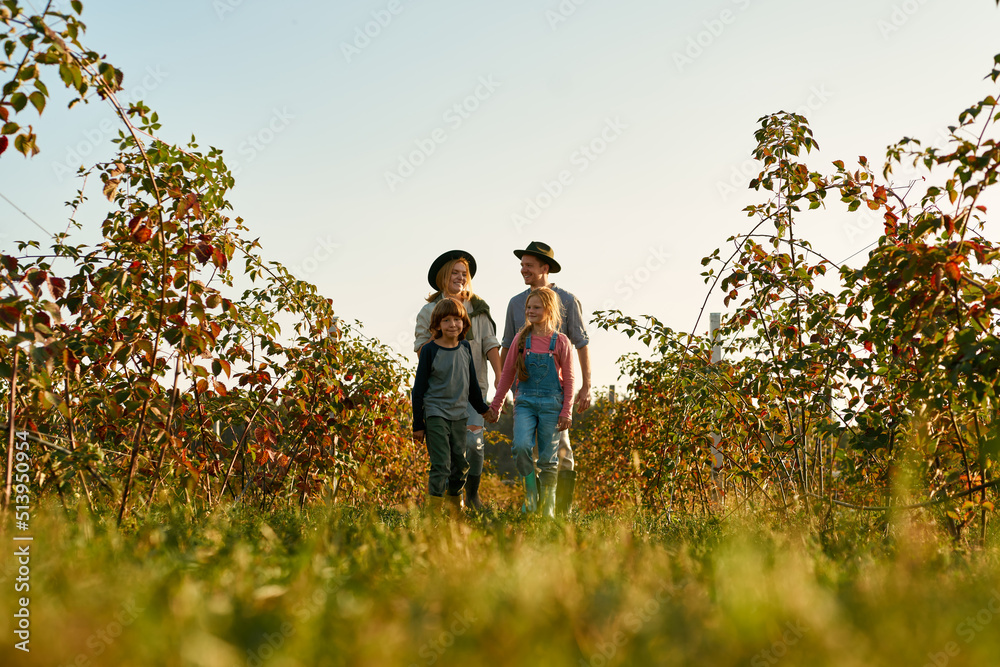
{"x":543,"y":252}
{"x":444,"y":259}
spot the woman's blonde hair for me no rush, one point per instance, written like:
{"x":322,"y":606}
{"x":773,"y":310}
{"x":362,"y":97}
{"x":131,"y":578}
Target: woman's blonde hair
{"x":553,"y":317}
{"x":442,"y":279}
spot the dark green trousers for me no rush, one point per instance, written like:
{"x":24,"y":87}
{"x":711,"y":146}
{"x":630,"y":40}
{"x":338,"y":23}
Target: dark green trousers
{"x":445,"y":440}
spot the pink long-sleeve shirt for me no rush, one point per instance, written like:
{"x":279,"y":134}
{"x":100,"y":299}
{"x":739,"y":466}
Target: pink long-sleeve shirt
{"x":540,"y":345}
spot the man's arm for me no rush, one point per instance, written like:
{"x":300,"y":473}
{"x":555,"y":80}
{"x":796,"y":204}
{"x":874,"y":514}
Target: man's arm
{"x":583,"y":396}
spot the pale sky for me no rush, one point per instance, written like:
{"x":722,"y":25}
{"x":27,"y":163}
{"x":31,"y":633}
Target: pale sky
{"x":371,"y":136}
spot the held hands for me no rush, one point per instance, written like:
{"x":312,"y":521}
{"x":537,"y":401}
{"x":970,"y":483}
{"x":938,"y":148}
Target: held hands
{"x":492,"y":416}
{"x":564,"y":423}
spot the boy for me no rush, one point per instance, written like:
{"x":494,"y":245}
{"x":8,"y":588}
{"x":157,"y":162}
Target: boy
{"x":444,"y":385}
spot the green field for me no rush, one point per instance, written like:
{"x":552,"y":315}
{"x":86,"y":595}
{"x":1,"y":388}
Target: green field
{"x":351,"y":586}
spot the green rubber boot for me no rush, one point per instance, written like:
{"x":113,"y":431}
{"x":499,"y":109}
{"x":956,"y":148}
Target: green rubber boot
{"x":564,"y":491}
{"x":472,"y":500}
{"x":453,"y":505}
{"x":434,"y":506}
{"x":547,"y":491}
{"x":530,"y":494}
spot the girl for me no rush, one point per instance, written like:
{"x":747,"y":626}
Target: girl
{"x":445,"y":385}
{"x":450,"y":275}
{"x":542,"y":401}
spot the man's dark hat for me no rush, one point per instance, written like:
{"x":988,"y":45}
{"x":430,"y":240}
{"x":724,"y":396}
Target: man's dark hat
{"x":444,"y":259}
{"x":543,"y":252}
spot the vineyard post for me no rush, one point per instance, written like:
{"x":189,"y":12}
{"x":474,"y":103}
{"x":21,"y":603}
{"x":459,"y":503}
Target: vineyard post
{"x":714,"y":322}
{"x":12,"y":407}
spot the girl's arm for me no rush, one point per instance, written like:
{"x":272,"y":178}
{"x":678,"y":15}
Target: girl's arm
{"x":565,"y":362}
{"x":507,"y":377}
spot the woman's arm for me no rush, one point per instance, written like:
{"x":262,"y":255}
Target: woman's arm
{"x":493,"y":356}
{"x":422,"y":332}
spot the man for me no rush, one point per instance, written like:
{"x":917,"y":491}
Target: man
{"x":537,"y":262}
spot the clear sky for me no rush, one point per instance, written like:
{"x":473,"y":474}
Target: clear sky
{"x":373,"y":135}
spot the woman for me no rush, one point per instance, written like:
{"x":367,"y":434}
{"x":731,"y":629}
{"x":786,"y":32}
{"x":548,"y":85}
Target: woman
{"x":451,"y":275}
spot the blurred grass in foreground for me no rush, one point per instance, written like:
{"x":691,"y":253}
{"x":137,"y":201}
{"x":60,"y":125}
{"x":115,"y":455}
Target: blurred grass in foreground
{"x":346,"y":586}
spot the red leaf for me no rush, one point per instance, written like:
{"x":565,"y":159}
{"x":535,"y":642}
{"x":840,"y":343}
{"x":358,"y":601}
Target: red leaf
{"x":951,"y":268}
{"x":4,"y":141}
{"x":142,"y":234}
{"x":57,"y":286}
{"x":868,"y":345}
{"x":134,"y":222}
{"x":219,"y":258}
{"x":10,"y":316}
{"x":36,"y":278}
{"x":203,"y":252}
{"x":9,"y":263}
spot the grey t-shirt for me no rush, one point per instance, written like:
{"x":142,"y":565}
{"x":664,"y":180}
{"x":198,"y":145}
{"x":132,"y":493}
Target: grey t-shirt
{"x":442,"y":387}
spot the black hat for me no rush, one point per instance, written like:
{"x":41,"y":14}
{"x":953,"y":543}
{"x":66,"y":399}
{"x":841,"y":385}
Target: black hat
{"x":543,"y":252}
{"x":444,"y":259}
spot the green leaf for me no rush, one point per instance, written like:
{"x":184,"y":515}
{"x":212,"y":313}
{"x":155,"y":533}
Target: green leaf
{"x":18,"y":101}
{"x":38,"y":100}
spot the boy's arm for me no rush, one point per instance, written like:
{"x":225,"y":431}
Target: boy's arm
{"x":420,"y":386}
{"x":475,"y":394}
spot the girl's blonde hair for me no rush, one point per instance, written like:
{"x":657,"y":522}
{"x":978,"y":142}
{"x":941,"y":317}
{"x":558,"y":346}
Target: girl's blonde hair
{"x":442,"y":279}
{"x":553,"y":318}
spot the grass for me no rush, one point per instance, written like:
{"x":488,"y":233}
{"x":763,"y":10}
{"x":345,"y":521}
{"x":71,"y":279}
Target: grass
{"x":350,"y":586}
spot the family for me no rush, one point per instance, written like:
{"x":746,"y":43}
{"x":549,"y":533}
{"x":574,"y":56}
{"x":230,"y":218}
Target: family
{"x":456,"y":339}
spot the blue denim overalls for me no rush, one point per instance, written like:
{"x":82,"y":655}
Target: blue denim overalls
{"x":537,"y":405}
